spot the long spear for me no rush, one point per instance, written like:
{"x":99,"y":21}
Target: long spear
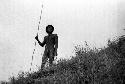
{"x":37,"y":35}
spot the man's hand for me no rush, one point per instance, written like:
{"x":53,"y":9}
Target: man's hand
{"x":36,"y":37}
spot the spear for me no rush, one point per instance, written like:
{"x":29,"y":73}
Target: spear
{"x":37,"y":35}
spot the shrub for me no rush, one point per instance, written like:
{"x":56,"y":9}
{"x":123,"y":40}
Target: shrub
{"x":98,"y":66}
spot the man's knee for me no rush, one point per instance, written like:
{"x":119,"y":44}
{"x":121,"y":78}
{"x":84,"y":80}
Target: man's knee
{"x":44,"y":59}
{"x":51,"y":59}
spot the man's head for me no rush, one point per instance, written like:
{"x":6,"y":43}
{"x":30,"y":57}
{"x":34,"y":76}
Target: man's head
{"x":49,"y":29}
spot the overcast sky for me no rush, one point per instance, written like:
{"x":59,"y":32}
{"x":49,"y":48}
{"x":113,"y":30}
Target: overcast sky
{"x":75,"y":21}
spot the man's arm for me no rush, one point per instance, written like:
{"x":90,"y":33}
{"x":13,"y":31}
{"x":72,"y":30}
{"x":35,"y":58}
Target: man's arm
{"x":41,"y":44}
{"x":56,"y":41}
{"x":56,"y":44}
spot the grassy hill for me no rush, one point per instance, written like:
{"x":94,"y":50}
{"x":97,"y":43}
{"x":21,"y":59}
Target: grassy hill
{"x":89,"y":66}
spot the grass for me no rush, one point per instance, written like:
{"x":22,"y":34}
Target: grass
{"x":89,"y":66}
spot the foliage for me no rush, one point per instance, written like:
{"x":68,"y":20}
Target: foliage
{"x":98,"y":66}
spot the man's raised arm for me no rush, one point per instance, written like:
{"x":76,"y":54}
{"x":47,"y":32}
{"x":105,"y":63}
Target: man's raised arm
{"x":41,"y":44}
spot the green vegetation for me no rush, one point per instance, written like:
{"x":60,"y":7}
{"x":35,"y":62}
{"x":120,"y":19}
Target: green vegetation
{"x":89,"y":66}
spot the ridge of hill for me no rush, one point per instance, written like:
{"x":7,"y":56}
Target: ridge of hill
{"x":89,"y":66}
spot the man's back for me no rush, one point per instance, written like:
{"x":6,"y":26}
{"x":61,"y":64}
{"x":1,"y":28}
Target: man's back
{"x":51,"y":41}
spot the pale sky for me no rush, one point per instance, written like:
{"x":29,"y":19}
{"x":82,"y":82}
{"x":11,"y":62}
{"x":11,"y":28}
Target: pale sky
{"x":75,"y":21}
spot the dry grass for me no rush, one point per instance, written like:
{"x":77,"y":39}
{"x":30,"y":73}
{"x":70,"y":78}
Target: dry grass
{"x":89,"y":66}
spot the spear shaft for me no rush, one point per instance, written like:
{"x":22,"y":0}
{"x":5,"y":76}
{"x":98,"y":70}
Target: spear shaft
{"x":37,"y":35}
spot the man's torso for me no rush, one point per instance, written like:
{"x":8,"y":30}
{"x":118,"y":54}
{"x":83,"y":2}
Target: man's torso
{"x":50,"y":41}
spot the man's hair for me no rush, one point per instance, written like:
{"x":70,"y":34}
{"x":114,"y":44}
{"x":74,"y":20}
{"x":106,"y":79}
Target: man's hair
{"x":49,"y":26}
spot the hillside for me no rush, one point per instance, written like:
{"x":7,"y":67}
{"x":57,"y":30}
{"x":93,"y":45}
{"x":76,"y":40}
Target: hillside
{"x":89,"y":66}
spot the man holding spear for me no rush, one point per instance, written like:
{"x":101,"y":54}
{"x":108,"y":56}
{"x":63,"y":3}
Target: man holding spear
{"x":51,"y":44}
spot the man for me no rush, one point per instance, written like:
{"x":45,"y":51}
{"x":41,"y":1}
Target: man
{"x":51,"y":44}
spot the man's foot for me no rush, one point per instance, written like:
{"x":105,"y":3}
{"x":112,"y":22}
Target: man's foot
{"x":42,"y":67}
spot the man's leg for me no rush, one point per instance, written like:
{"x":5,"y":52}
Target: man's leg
{"x":44,"y":59}
{"x":51,"y":57}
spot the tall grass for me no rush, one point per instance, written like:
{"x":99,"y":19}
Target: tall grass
{"x":89,"y":66}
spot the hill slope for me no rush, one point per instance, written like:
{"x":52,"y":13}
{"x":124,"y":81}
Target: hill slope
{"x":89,"y":66}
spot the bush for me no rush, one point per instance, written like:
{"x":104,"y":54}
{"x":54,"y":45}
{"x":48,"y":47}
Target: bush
{"x":98,"y":66}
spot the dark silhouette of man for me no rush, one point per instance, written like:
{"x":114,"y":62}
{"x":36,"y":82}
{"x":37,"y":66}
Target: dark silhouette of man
{"x":51,"y":44}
